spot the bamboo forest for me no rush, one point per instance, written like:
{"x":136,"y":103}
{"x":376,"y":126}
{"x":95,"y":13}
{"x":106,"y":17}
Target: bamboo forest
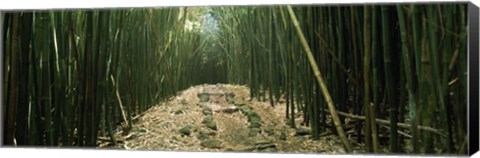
{"x":334,"y":79}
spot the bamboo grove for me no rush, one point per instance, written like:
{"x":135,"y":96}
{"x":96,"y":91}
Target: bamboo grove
{"x":73,"y":75}
{"x":399,"y":69}
{"x":396,"y":75}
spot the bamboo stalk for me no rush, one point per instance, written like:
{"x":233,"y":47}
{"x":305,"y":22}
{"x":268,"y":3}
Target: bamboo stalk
{"x":387,"y":53}
{"x":323,"y":87}
{"x":120,"y":102}
{"x":411,"y":93}
{"x":12,"y":95}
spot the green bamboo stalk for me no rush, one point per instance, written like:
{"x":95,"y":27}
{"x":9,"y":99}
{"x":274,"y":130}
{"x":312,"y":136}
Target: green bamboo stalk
{"x":411,"y":93}
{"x":23,"y":94}
{"x":373,"y":55}
{"x":369,"y":133}
{"x":439,"y":82}
{"x":387,"y":53}
{"x":326,"y":94}
{"x":12,"y":95}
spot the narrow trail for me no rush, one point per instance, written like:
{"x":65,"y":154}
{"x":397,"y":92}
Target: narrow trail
{"x":219,"y":118}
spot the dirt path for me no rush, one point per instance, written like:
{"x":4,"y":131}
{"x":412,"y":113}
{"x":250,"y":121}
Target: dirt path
{"x":219,"y":118}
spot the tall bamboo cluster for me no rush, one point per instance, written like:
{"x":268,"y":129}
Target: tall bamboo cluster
{"x":71,"y":76}
{"x":403,"y":64}
{"x":395,"y":74}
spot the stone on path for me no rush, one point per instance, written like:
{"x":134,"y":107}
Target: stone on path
{"x":185,"y":130}
{"x":229,"y":97}
{"x":246,"y":109}
{"x":208,"y":121}
{"x":212,"y":144}
{"x":229,"y":110}
{"x":204,"y":97}
{"x":262,"y":143}
{"x":302,"y":132}
{"x":240,"y":147}
{"x":254,"y":132}
{"x":207,"y":111}
{"x":255,"y":124}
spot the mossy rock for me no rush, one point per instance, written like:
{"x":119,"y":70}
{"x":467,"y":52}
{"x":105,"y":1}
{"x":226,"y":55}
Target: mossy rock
{"x":212,"y":144}
{"x":208,"y":121}
{"x":265,"y":146}
{"x":254,"y":132}
{"x":246,"y":109}
{"x":212,"y":125}
{"x":207,"y":111}
{"x":185,"y":130}
{"x":204,"y":97}
{"x":261,"y":140}
{"x":254,"y":119}
{"x":240,"y":147}
{"x":229,"y":97}
{"x":201,"y":136}
{"x":255,"y":124}
{"x":252,"y":114}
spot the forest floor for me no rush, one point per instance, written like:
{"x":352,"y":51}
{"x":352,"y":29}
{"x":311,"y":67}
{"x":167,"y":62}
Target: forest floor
{"x":219,"y":118}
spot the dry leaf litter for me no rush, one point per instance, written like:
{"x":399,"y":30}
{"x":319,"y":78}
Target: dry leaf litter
{"x":219,"y":118}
